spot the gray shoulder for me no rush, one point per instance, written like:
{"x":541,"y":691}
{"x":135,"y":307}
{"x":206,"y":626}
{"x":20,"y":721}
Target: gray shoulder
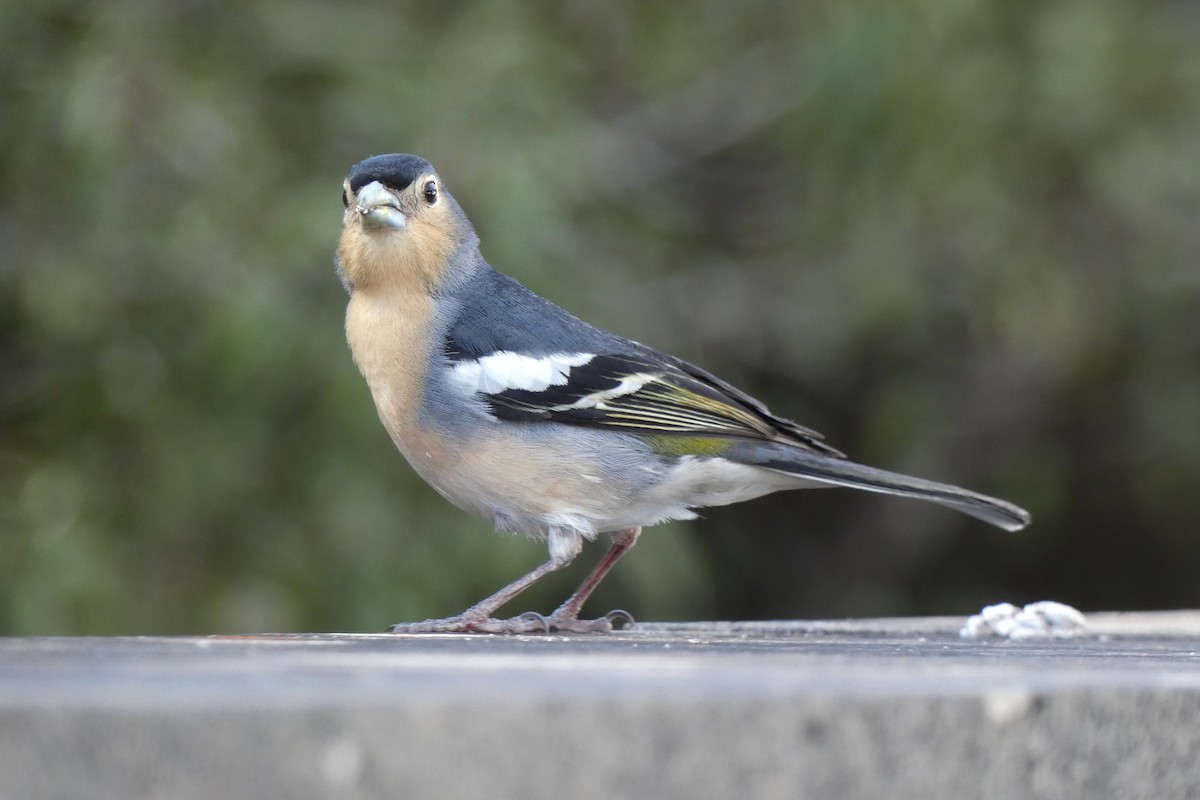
{"x":493,"y":313}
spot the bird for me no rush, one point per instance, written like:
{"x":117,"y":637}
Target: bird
{"x":518,"y":412}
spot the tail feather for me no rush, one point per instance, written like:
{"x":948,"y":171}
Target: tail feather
{"x":839,"y":472}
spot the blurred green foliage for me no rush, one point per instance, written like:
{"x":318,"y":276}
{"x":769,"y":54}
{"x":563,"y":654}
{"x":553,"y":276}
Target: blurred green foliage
{"x":959,"y":237}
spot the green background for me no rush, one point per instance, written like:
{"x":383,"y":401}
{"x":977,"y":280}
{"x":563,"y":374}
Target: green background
{"x":958,"y":237}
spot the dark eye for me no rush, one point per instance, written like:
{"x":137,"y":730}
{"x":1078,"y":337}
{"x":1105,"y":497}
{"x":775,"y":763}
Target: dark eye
{"x":430,"y":192}
{"x":345,"y":199}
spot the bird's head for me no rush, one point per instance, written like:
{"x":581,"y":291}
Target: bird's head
{"x":400,"y":225}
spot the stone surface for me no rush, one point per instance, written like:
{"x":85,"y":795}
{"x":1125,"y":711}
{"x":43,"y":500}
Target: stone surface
{"x":898,"y":708}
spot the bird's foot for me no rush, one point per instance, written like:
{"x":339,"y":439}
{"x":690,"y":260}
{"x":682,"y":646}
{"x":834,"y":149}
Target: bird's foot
{"x":559,"y":622}
{"x":468,"y":623}
{"x":529,"y":622}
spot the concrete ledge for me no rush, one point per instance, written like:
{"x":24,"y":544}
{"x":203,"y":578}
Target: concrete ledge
{"x":898,"y":708}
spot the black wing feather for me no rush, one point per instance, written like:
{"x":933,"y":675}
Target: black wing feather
{"x":674,"y":398}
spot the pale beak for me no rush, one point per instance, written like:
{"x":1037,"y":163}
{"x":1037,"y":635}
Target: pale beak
{"x":379,"y":207}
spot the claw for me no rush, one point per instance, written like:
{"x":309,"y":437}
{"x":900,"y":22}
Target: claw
{"x":533,"y":616}
{"x":621,"y":614}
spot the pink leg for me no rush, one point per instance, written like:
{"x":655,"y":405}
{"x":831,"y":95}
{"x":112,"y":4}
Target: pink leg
{"x":479,"y":616}
{"x":566,"y":616}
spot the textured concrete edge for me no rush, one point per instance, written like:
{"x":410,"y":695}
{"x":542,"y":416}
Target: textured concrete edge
{"x":1097,"y":744}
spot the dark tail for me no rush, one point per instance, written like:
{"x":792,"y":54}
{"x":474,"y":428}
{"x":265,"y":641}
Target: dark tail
{"x":839,"y":472}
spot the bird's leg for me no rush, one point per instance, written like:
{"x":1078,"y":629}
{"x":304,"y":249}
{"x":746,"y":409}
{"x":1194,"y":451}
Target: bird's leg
{"x":566,"y":616}
{"x":564,"y":546}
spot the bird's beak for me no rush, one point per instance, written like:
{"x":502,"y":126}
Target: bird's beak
{"x":379,"y":207}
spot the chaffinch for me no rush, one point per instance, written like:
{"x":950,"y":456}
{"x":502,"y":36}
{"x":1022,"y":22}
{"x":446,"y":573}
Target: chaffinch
{"x":518,"y":412}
